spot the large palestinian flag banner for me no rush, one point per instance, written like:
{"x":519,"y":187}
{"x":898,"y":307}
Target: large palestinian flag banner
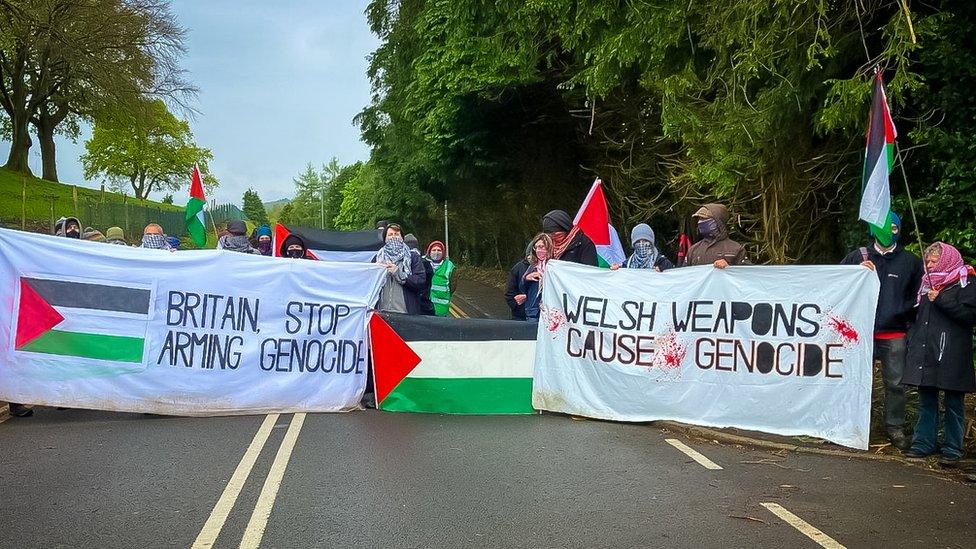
{"x":452,"y":366}
{"x":593,"y":219}
{"x":879,"y":160}
{"x":357,"y":246}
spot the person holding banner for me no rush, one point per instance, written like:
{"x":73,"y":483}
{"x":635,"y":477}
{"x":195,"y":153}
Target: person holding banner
{"x":531,"y":285}
{"x":263,"y":240}
{"x":396,"y":257}
{"x":68,"y":227}
{"x":236,"y":238}
{"x":568,"y":242}
{"x":646,"y":254}
{"x":900,"y":273}
{"x":715,"y":247}
{"x":294,"y":247}
{"x":940,"y":352}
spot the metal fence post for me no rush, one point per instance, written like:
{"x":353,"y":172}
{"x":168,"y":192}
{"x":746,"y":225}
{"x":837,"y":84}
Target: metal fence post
{"x":23,"y":203}
{"x":53,"y":198}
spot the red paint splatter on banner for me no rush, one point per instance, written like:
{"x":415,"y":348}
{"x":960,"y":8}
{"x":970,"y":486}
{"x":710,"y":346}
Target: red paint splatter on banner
{"x":555,"y":319}
{"x":669,"y":353}
{"x":844,"y":328}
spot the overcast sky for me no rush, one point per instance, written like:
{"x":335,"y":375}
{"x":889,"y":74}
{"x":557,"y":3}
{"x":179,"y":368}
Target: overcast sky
{"x":279,"y":85}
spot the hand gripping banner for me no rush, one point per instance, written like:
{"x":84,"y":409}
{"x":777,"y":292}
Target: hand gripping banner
{"x":783,"y":350}
{"x":89,"y":325}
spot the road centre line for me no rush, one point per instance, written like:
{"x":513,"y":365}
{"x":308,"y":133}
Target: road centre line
{"x":693,"y":454}
{"x":803,"y":526}
{"x":262,"y":509}
{"x":211,"y":529}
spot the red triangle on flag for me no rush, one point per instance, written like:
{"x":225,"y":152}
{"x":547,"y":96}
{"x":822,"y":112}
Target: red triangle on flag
{"x":593,"y":218}
{"x":196,"y":184}
{"x":34,"y":315}
{"x":280,"y":234}
{"x":393,"y":359}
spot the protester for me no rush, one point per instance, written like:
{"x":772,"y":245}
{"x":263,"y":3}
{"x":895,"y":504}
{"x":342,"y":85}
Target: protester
{"x":115,"y":235}
{"x":294,"y":247}
{"x":531,"y":284}
{"x":236,"y":240}
{"x":940,"y":352}
{"x":396,"y":257}
{"x":715,"y":247}
{"x":513,"y":289}
{"x":900,"y":273}
{"x":153,"y":238}
{"x":68,"y":226}
{"x":174,"y":242}
{"x":92,"y":235}
{"x":420,"y":288}
{"x":263,"y":237}
{"x":568,"y":242}
{"x":646,"y":254}
{"x":440,"y":287}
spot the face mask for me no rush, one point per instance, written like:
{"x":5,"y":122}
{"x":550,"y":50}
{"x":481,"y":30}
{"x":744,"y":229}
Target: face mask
{"x":295,"y":253}
{"x":643,"y":248}
{"x":542,"y":254}
{"x":436,"y":256}
{"x":72,"y":232}
{"x":708,"y":227}
{"x":264,"y":246}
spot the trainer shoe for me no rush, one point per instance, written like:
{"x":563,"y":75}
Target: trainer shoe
{"x":899,"y":440}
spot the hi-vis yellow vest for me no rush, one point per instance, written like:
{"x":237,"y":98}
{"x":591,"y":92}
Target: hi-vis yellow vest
{"x":440,"y":288}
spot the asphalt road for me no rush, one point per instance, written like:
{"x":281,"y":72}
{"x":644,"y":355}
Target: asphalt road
{"x":74,"y":478}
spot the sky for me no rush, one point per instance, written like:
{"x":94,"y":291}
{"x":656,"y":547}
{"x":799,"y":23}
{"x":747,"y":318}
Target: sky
{"x":280,"y":83}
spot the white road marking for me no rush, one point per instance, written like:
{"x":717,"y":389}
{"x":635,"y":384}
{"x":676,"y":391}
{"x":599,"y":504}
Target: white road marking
{"x":211,"y":529}
{"x":693,"y":454}
{"x":803,"y":526}
{"x":262,"y":509}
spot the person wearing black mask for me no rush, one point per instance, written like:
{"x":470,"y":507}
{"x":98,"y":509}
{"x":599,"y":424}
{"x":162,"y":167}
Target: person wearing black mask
{"x":69,"y":227}
{"x":715,"y":247}
{"x":900,"y":273}
{"x":294,"y":247}
{"x":569,"y":242}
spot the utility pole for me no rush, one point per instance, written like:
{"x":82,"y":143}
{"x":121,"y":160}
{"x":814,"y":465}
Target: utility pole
{"x":447,"y":240}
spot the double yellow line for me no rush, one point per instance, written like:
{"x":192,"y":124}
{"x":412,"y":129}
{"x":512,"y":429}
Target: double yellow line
{"x":456,"y":311}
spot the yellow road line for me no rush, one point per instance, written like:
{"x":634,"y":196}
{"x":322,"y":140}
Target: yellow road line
{"x":803,"y":526}
{"x":211,"y":529}
{"x":693,"y":454}
{"x":262,"y":509}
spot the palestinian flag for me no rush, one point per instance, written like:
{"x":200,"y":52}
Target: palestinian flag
{"x":452,"y":366}
{"x":82,"y":319}
{"x":879,"y":160}
{"x":357,"y":246}
{"x":593,"y":219}
{"x":194,"y":209}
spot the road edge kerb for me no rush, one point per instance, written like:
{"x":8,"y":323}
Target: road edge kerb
{"x":729,"y":438}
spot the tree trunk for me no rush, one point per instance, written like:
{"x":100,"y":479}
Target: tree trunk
{"x":46,"y":124}
{"x":20,"y":143}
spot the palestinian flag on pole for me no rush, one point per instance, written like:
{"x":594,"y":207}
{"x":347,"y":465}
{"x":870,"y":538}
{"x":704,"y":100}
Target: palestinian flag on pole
{"x":194,"y":209}
{"x":82,"y":319}
{"x":879,"y":160}
{"x":452,"y":366}
{"x":593,"y":219}
{"x":354,"y":246}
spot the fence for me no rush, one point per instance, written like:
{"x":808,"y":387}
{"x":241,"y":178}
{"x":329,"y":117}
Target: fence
{"x":38,"y":209}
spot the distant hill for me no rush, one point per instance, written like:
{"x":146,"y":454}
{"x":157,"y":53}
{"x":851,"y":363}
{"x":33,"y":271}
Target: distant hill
{"x":276,"y":203}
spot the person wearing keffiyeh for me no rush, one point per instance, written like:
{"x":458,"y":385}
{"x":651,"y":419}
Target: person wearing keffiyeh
{"x":569,"y":243}
{"x":940,"y":353}
{"x":646,"y":254}
{"x":400,"y":268}
{"x":153,"y":238}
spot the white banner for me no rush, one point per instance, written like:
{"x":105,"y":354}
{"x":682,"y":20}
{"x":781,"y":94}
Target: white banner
{"x":91,"y":325}
{"x":785,"y":350}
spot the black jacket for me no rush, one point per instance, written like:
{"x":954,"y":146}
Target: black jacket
{"x":426,"y":305}
{"x":940,"y":344}
{"x":580,"y":250}
{"x":415,"y":285}
{"x":900,"y":272}
{"x":512,"y":289}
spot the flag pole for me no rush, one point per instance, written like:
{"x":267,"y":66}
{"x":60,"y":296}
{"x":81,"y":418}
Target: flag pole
{"x":911,"y":208}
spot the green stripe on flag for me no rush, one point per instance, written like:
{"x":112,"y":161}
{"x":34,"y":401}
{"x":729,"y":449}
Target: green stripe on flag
{"x":471,"y":395}
{"x":96,"y":346}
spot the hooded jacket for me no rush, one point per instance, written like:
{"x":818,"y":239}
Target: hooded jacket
{"x":513,"y":287}
{"x":292,"y":239}
{"x":900,"y":272}
{"x":709,"y":250}
{"x":420,"y":287}
{"x":580,"y":249}
{"x":63,"y":223}
{"x":940,"y":343}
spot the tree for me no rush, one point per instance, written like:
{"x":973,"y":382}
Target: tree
{"x":63,"y":59}
{"x":152,"y":151}
{"x":254,"y":208}
{"x":168,"y":199}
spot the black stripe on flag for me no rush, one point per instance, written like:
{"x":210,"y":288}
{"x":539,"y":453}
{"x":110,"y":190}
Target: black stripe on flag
{"x":434,"y":328}
{"x":84,"y":295}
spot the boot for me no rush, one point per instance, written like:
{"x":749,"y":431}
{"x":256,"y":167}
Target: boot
{"x":899,"y":440}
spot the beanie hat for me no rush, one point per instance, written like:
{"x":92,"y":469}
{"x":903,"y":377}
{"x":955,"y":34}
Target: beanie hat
{"x":236,"y":227}
{"x":642,"y":231}
{"x":115,"y":233}
{"x":263,"y":230}
{"x":411,"y":241}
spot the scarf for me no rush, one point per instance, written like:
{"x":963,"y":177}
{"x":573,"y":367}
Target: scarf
{"x":155,"y":242}
{"x":235,"y":243}
{"x":559,"y":248}
{"x":949,"y":269}
{"x":644,"y":256}
{"x":395,"y":251}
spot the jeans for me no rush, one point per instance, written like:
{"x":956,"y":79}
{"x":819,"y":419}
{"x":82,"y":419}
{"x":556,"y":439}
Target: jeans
{"x":892,"y":353}
{"x":927,"y":427}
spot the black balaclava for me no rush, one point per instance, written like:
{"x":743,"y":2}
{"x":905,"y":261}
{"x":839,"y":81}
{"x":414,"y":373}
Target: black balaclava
{"x":556,"y":221}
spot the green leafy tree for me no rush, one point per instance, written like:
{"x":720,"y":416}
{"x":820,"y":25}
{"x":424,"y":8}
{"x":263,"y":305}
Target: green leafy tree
{"x":168,"y":199}
{"x":254,"y":208}
{"x":154,"y":151}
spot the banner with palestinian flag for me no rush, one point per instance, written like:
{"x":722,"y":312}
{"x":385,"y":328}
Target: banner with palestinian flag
{"x":355,"y":246}
{"x":452,"y":366}
{"x":195,"y":224}
{"x":593,"y":219}
{"x":879,"y":160}
{"x":199,"y":332}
